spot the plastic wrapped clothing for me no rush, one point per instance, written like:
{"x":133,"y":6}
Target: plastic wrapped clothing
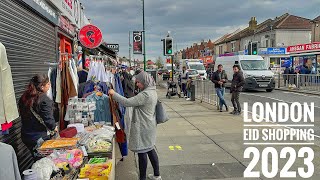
{"x":44,"y":168}
{"x":9,"y":165}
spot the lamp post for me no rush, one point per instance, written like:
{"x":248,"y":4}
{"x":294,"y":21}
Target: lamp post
{"x":144,"y":38}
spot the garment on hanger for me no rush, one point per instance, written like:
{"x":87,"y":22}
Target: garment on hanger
{"x":58,"y":86}
{"x":6,"y":126}
{"x":8,"y":105}
{"x":102,"y":112}
{"x":9,"y":169}
{"x":83,"y":75}
{"x":49,"y":92}
{"x":53,"y":79}
{"x":74,"y":75}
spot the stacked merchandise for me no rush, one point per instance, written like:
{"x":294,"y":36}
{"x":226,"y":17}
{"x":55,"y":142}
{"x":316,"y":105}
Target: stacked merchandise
{"x":70,"y":158}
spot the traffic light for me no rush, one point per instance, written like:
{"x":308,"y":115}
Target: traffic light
{"x":254,"y":48}
{"x":168,"y":46}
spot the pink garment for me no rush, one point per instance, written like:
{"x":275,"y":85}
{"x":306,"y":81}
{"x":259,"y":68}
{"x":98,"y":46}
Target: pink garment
{"x":6,"y":126}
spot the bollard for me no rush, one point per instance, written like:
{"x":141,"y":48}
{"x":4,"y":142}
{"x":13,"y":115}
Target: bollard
{"x":193,"y":92}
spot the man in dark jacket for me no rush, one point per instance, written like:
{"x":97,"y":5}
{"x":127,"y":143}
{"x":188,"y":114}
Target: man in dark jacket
{"x":236,"y":88}
{"x":219,"y":78}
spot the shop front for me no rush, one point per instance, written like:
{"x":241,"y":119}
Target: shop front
{"x":306,"y":57}
{"x":27,"y":31}
{"x":274,"y":57}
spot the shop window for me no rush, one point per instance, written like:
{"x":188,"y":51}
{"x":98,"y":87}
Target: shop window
{"x":220,"y":49}
{"x":233,"y":46}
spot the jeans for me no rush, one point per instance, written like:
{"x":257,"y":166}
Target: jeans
{"x":184,"y":89}
{"x":220,"y":94}
{"x":189,"y":93}
{"x":235,"y":101}
{"x":143,"y":163}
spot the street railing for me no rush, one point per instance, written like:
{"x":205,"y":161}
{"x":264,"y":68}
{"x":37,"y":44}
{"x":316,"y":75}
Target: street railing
{"x":300,"y":82}
{"x":205,"y":92}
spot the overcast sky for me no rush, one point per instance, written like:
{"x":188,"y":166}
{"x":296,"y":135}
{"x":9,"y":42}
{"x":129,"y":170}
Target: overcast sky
{"x":188,"y":20}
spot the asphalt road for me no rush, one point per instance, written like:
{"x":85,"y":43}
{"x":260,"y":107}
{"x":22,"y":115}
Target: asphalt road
{"x":279,"y":96}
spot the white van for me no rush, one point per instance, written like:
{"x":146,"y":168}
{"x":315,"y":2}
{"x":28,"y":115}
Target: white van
{"x":254,"y":68}
{"x":195,"y":64}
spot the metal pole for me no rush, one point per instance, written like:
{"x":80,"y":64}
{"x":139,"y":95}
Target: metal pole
{"x":144,"y":38}
{"x":129,"y":49}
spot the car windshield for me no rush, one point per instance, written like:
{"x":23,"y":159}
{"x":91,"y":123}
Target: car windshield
{"x":253,"y":65}
{"x":197,"y":66}
{"x":192,"y":72}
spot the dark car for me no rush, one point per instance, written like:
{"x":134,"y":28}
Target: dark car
{"x":165,"y":74}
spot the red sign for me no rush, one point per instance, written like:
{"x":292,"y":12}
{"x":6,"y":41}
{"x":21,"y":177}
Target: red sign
{"x":90,"y":36}
{"x":66,"y":25}
{"x":137,"y":42}
{"x":207,"y":59}
{"x":304,"y":47}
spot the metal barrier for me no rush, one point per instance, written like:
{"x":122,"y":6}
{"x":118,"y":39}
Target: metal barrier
{"x":300,"y":82}
{"x":205,"y":92}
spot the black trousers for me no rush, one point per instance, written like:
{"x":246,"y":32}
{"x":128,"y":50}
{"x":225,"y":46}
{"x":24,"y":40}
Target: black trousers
{"x":235,"y":101}
{"x":143,"y":163}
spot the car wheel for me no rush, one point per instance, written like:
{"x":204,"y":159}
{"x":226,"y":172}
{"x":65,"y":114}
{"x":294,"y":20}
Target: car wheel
{"x":269,"y":90}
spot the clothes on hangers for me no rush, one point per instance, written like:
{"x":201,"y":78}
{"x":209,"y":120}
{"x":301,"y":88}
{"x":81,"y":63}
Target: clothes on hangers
{"x":8,"y":105}
{"x":83,"y":75}
{"x":53,"y":79}
{"x":9,"y":169}
{"x":102,"y":112}
{"x":74,"y":74}
{"x":97,"y":70}
{"x":58,"y":86}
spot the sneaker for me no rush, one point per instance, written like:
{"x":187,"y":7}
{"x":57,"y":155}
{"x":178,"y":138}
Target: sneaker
{"x":233,"y":112}
{"x":152,"y":177}
{"x":227,"y":109}
{"x":188,"y":99}
{"x":237,"y":113}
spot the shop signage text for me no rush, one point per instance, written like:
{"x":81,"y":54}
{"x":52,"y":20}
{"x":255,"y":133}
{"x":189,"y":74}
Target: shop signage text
{"x":304,"y":47}
{"x":44,"y":9}
{"x":137,"y":42}
{"x":90,"y":36}
{"x":271,"y":50}
{"x":65,"y":24}
{"x":113,"y":47}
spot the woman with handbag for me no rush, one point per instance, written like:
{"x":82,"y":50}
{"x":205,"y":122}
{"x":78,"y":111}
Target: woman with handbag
{"x":142,"y":137}
{"x":37,"y":112}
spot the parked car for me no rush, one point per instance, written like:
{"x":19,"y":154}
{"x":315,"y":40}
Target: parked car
{"x":164,"y":73}
{"x":194,"y":74}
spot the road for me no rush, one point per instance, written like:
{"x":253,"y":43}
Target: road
{"x":279,"y":96}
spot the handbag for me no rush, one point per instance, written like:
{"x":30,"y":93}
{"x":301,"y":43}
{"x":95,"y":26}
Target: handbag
{"x":161,"y":113}
{"x":120,"y":134}
{"x":49,"y":132}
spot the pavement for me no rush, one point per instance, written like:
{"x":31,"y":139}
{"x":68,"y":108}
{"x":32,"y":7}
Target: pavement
{"x":198,"y":142}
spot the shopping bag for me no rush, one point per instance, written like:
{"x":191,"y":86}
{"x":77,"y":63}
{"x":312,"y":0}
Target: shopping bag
{"x":161,"y":114}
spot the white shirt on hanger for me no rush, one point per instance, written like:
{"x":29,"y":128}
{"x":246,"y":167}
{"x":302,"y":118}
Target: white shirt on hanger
{"x":49,"y":92}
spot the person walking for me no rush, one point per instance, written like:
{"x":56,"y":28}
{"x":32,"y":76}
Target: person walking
{"x":142,"y":135}
{"x":184,"y":79}
{"x":219,"y":78}
{"x":37,"y":113}
{"x":236,"y":87}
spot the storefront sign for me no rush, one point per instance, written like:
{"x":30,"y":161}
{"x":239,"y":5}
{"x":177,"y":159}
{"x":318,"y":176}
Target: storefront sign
{"x":113,"y":47}
{"x":90,"y":36}
{"x":304,"y":47}
{"x":272,"y":51}
{"x":137,"y":42}
{"x":207,"y":59}
{"x":44,"y":9}
{"x":66,"y":25}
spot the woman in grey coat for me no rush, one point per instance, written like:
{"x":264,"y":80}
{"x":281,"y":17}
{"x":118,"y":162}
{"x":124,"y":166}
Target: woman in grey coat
{"x":142,"y":137}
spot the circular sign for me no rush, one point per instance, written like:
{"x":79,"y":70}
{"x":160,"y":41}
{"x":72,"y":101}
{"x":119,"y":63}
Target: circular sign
{"x":90,"y":36}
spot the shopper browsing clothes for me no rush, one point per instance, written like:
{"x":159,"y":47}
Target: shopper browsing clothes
{"x":236,"y":88}
{"x":142,"y":135}
{"x":219,"y":78}
{"x":37,"y":112}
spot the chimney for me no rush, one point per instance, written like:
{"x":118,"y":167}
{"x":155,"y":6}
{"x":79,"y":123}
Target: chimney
{"x":253,"y":23}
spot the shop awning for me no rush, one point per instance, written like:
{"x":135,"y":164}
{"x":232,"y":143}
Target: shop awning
{"x":105,"y":50}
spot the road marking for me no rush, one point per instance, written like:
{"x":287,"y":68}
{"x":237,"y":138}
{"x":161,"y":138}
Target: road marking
{"x":280,"y":144}
{"x":273,"y":98}
{"x":171,"y":148}
{"x":301,"y":94}
{"x":179,"y":148}
{"x":278,"y":125}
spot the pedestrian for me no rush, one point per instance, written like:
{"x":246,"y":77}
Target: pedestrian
{"x":184,"y":79}
{"x":219,"y":78}
{"x":236,"y":87}
{"x":37,"y":113}
{"x":188,"y":88}
{"x":142,"y":135}
{"x":286,"y":75}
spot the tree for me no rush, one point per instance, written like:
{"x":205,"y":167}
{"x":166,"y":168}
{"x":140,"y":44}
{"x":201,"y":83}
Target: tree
{"x":159,"y":62}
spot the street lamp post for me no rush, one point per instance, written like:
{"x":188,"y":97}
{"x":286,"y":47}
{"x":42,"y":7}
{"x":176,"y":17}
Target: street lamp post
{"x":144,"y":38}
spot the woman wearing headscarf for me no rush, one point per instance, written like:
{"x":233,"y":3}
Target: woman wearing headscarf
{"x":142,"y":135}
